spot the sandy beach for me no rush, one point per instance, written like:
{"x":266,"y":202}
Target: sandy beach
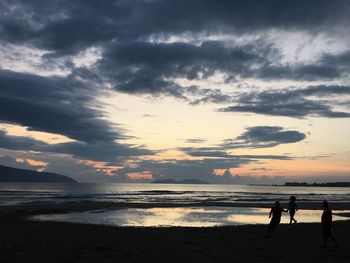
{"x":31,"y":241}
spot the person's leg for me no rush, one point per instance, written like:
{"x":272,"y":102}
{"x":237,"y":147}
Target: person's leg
{"x":273,"y":228}
{"x":270,"y":229}
{"x":333,"y":239}
{"x":326,"y":232}
{"x":292,"y":214}
{"x":325,"y":241}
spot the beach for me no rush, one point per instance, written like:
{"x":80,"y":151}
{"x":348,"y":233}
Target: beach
{"x":33,"y":241}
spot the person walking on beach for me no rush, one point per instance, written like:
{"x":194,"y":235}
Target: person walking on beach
{"x":292,"y":208}
{"x":327,"y":225}
{"x":276,"y":213}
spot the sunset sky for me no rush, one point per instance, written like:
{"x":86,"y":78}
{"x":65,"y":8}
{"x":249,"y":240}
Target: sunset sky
{"x":137,"y":90}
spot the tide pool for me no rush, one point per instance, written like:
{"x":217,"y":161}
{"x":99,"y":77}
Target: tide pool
{"x":181,"y":217}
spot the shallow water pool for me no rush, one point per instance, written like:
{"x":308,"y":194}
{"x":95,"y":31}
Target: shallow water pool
{"x":180,"y":216}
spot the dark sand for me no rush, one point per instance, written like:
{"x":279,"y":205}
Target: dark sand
{"x":29,"y":241}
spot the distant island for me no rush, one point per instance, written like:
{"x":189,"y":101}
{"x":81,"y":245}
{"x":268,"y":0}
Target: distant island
{"x":184,"y":181}
{"x":9,"y":174}
{"x":335,"y":184}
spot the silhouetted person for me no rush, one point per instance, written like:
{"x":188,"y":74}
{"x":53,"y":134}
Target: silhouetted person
{"x":327,"y":225}
{"x":276,"y":213}
{"x":292,"y":208}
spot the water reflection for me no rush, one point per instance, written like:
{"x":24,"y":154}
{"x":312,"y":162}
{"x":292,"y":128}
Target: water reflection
{"x":180,"y":216}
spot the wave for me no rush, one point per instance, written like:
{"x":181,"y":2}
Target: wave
{"x":150,"y":194}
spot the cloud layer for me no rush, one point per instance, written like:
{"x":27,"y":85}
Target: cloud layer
{"x":253,"y":138}
{"x":314,"y":101}
{"x":264,"y":58}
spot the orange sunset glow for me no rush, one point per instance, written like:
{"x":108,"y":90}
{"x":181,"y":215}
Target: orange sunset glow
{"x":263,"y":101}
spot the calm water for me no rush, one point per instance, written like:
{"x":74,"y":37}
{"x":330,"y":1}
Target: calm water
{"x":180,"y":216}
{"x":14,"y":193}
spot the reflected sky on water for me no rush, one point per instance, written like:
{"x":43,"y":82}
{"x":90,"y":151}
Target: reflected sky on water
{"x":181,"y":216}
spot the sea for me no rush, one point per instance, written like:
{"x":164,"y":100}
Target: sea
{"x":211,"y":203}
{"x":16,"y":193}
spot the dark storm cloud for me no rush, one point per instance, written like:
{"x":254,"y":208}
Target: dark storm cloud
{"x":326,"y":67}
{"x":254,"y":137}
{"x":144,"y":67}
{"x":309,"y":72}
{"x":64,"y":27}
{"x":133,"y":65}
{"x":97,"y":151}
{"x":68,"y":26}
{"x":296,"y":103}
{"x":18,"y":142}
{"x":341,"y":60}
{"x":100,"y":151}
{"x":64,"y":106}
{"x":264,"y":137}
{"x":208,"y":95}
{"x":215,"y":152}
{"x":55,"y":105}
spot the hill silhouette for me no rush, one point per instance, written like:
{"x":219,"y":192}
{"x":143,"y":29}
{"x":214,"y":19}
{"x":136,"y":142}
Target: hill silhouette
{"x":9,"y":174}
{"x":184,"y":181}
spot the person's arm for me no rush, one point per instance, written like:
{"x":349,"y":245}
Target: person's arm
{"x":296,"y":207}
{"x":270,"y":213}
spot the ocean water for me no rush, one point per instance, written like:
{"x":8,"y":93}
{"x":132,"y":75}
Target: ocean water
{"x":219,"y":197}
{"x":16,"y":193}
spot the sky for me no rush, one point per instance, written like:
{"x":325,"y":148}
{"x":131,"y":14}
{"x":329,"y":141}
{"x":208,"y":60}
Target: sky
{"x":140,"y":90}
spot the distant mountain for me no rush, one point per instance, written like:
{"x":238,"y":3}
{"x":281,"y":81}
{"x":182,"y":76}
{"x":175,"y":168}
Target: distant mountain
{"x":184,"y":181}
{"x":193,"y":181}
{"x":9,"y":174}
{"x":165,"y":181}
{"x":334,"y":184}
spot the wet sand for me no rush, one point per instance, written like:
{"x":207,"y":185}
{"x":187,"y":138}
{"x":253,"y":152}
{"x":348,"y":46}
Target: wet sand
{"x":29,"y":241}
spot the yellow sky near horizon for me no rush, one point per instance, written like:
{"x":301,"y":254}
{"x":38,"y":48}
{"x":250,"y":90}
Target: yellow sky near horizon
{"x":164,"y":125}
